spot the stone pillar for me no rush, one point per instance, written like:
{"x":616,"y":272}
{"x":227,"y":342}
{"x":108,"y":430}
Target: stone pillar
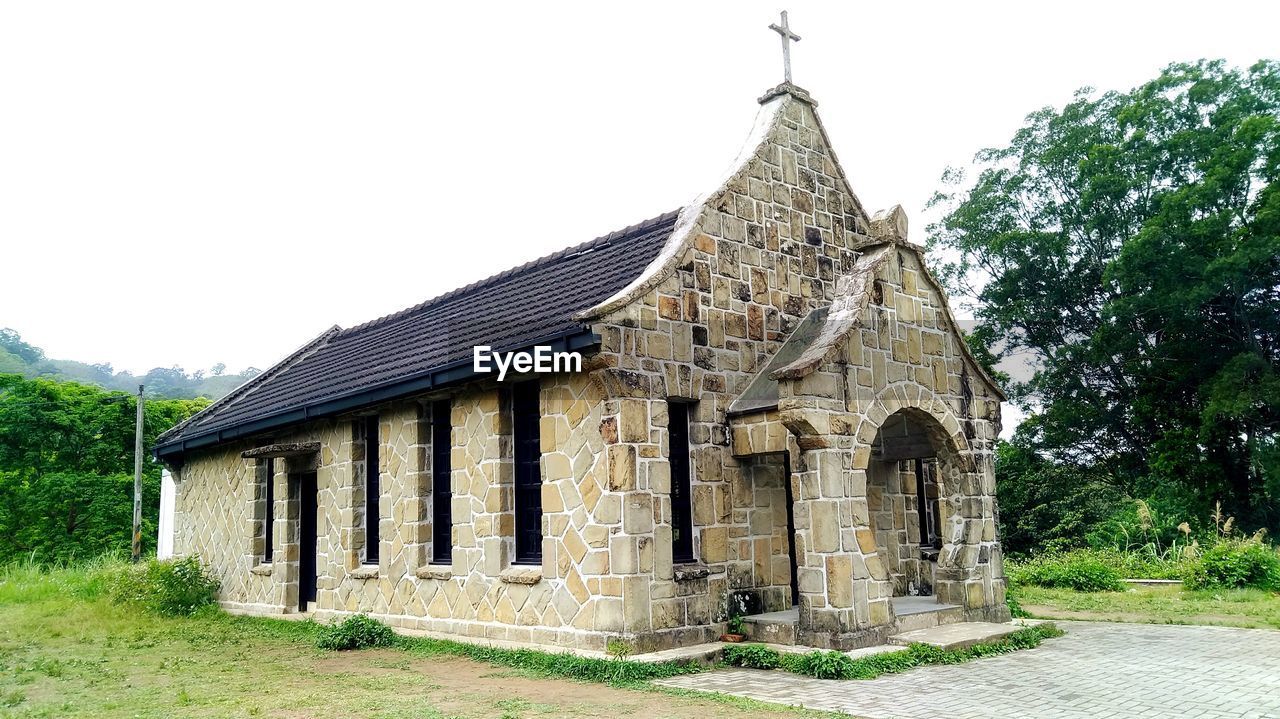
{"x":842,"y":580}
{"x":483,"y":490}
{"x":631,"y":448}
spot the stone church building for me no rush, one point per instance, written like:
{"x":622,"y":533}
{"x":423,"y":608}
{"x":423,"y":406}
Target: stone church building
{"x":775,"y":416}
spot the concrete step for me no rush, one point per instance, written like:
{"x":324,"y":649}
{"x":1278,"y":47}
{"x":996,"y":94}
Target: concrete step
{"x":926,"y":620}
{"x":959,"y":635}
{"x":912,"y":613}
{"x":705,"y":654}
{"x":773,"y":627}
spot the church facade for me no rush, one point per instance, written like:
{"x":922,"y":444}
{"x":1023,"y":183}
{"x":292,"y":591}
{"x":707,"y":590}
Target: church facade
{"x":775,"y":413}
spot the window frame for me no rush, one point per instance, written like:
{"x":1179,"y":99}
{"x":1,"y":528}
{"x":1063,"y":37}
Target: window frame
{"x":372,"y":491}
{"x":681,"y":490}
{"x":526,"y":423}
{"x":269,"y":517}
{"x":441,"y":482}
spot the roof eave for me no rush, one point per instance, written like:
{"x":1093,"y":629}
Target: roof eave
{"x":447,"y":375}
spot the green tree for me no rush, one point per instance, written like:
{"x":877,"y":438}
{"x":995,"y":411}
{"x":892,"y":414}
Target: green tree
{"x":66,"y":466}
{"x":1129,"y":244}
{"x":1044,"y":505}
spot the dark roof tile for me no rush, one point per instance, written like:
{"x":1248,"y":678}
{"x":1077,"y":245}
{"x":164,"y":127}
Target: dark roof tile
{"x":514,"y":309}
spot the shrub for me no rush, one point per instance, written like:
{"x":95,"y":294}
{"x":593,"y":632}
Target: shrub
{"x":1083,"y":571}
{"x":355,"y":632}
{"x":752,"y":656}
{"x":825,"y":665}
{"x":1234,"y":563}
{"x":172,"y":586}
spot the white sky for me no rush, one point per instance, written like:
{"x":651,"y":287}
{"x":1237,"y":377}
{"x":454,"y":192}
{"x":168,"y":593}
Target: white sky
{"x":185,"y":184}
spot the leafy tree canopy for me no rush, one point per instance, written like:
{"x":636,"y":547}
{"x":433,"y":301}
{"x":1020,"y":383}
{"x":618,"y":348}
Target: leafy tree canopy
{"x":66,"y":466}
{"x":1129,"y":243}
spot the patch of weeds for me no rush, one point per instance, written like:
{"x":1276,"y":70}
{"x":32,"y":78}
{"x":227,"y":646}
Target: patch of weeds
{"x":1081,"y":570}
{"x":184,"y":699}
{"x":618,"y":649}
{"x":837,"y":665}
{"x":617,"y":672}
{"x":752,"y":656}
{"x":355,"y":632}
{"x":178,"y":587}
{"x":54,"y":668}
{"x":12,"y":698}
{"x":1236,"y":563}
{"x":177,"y":663}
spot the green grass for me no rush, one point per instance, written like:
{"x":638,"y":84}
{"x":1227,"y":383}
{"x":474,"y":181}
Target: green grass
{"x":67,"y":652}
{"x":836,"y":665}
{"x":1251,"y":608}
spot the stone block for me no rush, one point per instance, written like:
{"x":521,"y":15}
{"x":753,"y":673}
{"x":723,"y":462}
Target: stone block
{"x":824,"y":520}
{"x":622,"y":468}
{"x":839,"y":580}
{"x":715,"y":544}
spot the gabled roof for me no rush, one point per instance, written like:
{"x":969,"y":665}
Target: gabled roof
{"x":825,"y":329}
{"x":430,"y":344}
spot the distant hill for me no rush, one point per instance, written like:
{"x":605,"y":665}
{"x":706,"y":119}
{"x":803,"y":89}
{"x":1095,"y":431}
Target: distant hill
{"x":19,"y":357}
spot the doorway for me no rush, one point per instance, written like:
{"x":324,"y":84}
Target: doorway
{"x":791,"y":528}
{"x":307,"y":510}
{"x":904,"y":500}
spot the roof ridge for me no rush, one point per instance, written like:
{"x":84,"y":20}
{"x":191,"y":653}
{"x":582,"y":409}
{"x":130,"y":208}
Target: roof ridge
{"x":643,"y":225}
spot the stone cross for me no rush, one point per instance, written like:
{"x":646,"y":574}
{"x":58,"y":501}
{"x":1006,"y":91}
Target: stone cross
{"x":787,"y":36}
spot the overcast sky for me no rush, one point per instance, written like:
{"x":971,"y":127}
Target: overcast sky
{"x":185,"y":184}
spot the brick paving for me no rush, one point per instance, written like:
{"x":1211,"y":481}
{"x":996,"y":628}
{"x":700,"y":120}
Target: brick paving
{"x":1096,"y":671}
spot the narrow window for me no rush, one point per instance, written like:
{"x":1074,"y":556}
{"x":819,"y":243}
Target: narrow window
{"x":269,"y":495}
{"x":528,"y":471}
{"x":441,"y":484}
{"x":681,"y":509}
{"x":372,"y":490}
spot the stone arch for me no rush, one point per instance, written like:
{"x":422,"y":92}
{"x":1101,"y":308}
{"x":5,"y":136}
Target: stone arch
{"x":964,"y":509}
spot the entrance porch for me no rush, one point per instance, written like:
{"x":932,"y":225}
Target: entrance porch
{"x":883,"y":535}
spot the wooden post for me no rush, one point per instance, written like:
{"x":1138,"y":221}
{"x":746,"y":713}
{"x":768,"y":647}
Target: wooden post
{"x":137,"y":482}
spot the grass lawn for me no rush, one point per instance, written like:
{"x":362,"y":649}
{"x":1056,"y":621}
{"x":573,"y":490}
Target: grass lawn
{"x":65,"y":654}
{"x":1252,"y":608}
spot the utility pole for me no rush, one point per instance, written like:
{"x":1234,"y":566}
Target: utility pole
{"x":137,"y":483}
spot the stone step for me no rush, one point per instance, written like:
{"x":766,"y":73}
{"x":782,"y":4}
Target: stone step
{"x":705,"y":654}
{"x":959,"y":635}
{"x":769,"y":632}
{"x":925,"y":620}
{"x":773,"y":627}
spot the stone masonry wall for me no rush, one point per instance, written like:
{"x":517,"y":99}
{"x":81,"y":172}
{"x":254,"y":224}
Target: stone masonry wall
{"x":591,"y":554}
{"x":905,"y":357}
{"x":764,"y":251}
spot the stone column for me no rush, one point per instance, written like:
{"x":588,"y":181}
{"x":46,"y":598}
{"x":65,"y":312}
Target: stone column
{"x":840,"y":574}
{"x":633,"y":449}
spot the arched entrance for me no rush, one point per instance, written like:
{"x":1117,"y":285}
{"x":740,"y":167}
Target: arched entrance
{"x":905,"y":491}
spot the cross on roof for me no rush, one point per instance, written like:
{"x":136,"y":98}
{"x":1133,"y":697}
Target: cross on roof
{"x":787,"y":36}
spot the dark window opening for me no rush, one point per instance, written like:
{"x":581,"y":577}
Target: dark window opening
{"x":927,"y":504}
{"x":528,"y":473}
{"x":372,"y":490}
{"x":441,"y":484}
{"x":269,"y":496}
{"x":681,"y":507}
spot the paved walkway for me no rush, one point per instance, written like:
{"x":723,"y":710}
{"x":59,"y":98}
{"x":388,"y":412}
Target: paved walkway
{"x":1129,"y":671}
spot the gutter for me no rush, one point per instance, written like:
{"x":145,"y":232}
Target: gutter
{"x":446,"y":375}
